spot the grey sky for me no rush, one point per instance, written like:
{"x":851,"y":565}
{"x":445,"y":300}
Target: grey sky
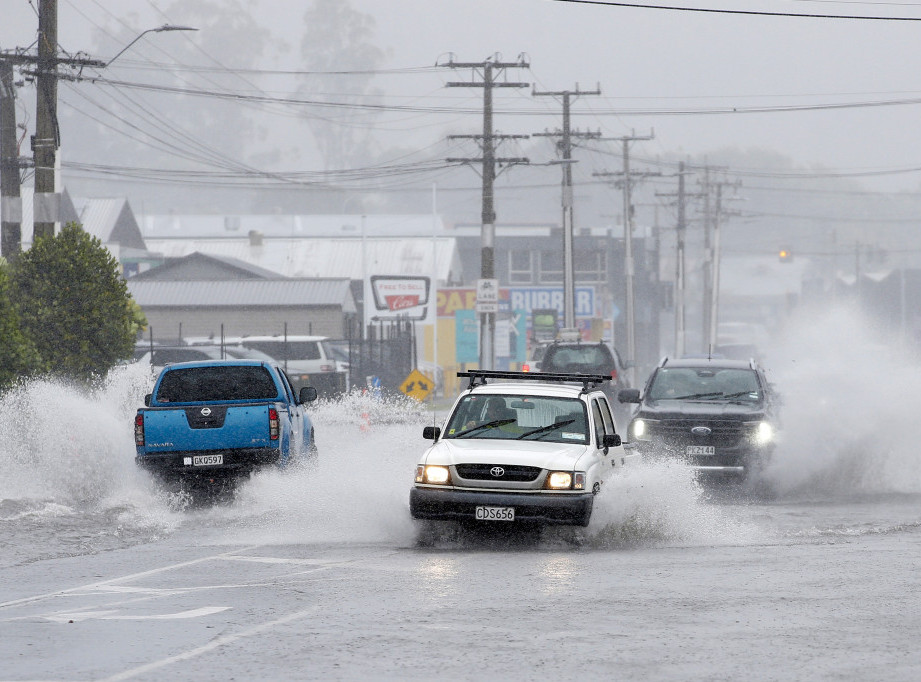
{"x":642,"y":59}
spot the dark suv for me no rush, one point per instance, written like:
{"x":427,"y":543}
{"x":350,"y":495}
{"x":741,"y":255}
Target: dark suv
{"x":588,"y":357}
{"x":719,"y":416}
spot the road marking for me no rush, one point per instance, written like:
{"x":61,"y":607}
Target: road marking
{"x":132,"y":576}
{"x":64,"y":617}
{"x":219,"y":642}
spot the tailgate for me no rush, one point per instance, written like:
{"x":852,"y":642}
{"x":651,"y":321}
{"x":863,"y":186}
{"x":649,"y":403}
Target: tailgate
{"x":207,"y":427}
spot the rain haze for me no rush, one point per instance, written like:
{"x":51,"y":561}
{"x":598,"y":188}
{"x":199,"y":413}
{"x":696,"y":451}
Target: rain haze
{"x":282,"y":144}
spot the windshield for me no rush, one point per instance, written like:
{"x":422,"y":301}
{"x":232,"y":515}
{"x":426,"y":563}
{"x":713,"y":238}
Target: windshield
{"x":205,"y":384}
{"x":705,"y":384}
{"x":508,"y":417}
{"x":292,"y":350}
{"x":591,"y":357}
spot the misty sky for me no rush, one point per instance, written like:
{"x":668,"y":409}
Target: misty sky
{"x":643,"y":59}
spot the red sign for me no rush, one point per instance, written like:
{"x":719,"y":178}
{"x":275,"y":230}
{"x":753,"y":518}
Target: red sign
{"x":401,"y":302}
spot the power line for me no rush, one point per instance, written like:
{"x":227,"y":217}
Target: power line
{"x":757,"y":13}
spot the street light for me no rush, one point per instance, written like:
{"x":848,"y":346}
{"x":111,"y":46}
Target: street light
{"x":161,"y":29}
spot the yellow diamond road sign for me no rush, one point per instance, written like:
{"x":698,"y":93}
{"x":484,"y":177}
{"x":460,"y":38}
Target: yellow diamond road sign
{"x":417,"y":385}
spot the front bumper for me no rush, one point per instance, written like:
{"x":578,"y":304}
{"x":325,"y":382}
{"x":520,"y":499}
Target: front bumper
{"x":236,"y":463}
{"x":735,"y":462}
{"x":548,"y":508}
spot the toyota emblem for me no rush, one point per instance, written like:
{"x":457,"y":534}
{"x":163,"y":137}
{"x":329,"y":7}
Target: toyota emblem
{"x":497,"y":472}
{"x":701,"y":431}
{"x":205,"y":411}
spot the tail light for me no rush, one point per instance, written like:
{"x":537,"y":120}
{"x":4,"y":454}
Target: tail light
{"x":526,"y":368}
{"x":273,"y":424}
{"x":139,"y":429}
{"x":613,"y":375}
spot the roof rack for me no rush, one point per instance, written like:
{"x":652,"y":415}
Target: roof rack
{"x":587,"y":380}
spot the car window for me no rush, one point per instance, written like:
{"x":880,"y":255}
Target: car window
{"x":598,"y":421}
{"x":292,"y":350}
{"x":607,"y":419}
{"x":704,"y":383}
{"x":194,"y":384}
{"x":286,"y":384}
{"x":166,"y":356}
{"x":551,"y":419}
{"x":588,"y":355}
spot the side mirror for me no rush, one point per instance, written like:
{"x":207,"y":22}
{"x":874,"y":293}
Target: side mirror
{"x":147,"y":399}
{"x":628,"y":395}
{"x":611,"y":440}
{"x":431,"y":432}
{"x":307,"y":394}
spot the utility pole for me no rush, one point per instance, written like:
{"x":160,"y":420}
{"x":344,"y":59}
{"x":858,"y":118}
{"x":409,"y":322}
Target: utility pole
{"x":489,"y":70}
{"x":714,"y":300}
{"x":565,"y":147}
{"x":47,"y":135}
{"x":680,"y":261}
{"x":46,"y":140}
{"x":629,"y":263}
{"x":10,"y":200}
{"x":679,"y":266}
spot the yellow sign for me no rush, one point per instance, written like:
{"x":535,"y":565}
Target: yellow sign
{"x":417,"y":385}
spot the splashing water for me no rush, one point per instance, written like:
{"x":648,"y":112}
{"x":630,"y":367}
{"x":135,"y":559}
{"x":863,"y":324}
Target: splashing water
{"x":70,"y":484}
{"x":851,"y":401}
{"x":662,"y":502}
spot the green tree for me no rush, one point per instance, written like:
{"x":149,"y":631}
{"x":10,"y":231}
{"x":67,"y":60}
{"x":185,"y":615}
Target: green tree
{"x":17,"y":357}
{"x":74,"y":305}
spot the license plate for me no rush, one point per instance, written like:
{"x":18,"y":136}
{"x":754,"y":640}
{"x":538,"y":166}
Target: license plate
{"x":495,"y":513}
{"x":207,"y":460}
{"x":701,"y":450}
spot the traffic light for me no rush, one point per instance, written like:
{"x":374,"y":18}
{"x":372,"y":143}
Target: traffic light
{"x":785,"y":255}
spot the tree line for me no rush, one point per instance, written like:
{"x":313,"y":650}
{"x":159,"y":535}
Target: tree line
{"x":65,"y":310}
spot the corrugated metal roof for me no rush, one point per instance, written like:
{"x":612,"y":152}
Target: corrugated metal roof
{"x":193,"y":266}
{"x":240,"y":293}
{"x":330,"y":257}
{"x":99,"y":216}
{"x":160,"y":226}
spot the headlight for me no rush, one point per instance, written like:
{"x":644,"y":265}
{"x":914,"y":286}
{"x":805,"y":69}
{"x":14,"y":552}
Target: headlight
{"x":639,"y":429}
{"x":764,"y":433}
{"x":435,"y":475}
{"x":559,"y":480}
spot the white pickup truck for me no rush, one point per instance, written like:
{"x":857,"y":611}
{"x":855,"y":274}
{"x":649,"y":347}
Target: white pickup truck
{"x":520,"y":447}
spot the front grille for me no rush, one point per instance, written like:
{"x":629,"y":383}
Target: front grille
{"x":483,"y":472}
{"x":677,"y":432}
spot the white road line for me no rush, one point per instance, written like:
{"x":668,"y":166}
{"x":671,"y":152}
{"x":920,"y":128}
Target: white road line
{"x":219,"y":642}
{"x":65,"y":617}
{"x":132,"y":576}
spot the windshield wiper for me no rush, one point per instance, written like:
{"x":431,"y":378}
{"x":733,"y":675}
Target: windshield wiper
{"x":495,"y":422}
{"x":730,"y":396}
{"x":695,"y":396}
{"x":543,"y":429}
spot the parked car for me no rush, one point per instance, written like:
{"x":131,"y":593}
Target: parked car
{"x":520,"y":447}
{"x":308,"y":360}
{"x":718,"y":415}
{"x":159,"y":356}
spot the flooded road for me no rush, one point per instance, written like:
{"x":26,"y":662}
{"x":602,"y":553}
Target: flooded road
{"x":322,"y":574}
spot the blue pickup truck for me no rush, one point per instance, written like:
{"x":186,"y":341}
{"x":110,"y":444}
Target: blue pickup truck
{"x":216,"y":421}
